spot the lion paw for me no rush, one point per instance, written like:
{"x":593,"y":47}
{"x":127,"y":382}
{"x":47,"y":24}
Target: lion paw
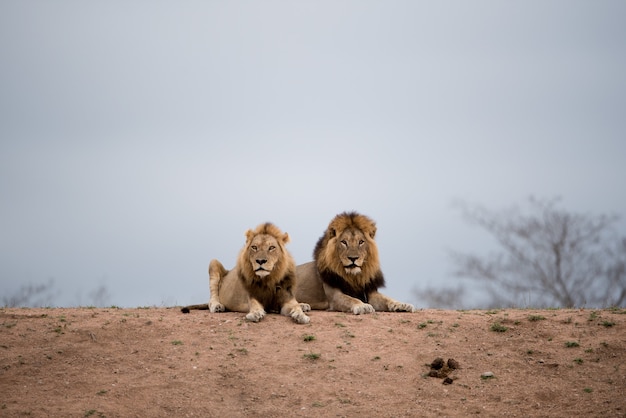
{"x":363,"y":308}
{"x":255,"y":316}
{"x":216,"y":307}
{"x":305,"y":307}
{"x":300,"y":317}
{"x":401,"y":307}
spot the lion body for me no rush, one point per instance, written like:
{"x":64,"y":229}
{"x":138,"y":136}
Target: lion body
{"x":262,"y":280}
{"x":345,"y":274}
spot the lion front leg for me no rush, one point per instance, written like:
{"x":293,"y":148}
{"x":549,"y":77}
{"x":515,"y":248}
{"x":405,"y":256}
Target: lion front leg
{"x":296,"y":311}
{"x":256,"y":311}
{"x":339,"y":301}
{"x":381,"y":302}
{"x":216,"y":273}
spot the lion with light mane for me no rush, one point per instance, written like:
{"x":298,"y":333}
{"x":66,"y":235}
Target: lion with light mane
{"x":263,"y":279}
{"x":345,"y":274}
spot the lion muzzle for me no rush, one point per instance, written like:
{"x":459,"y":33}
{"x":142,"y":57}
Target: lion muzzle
{"x":261,"y":272}
{"x":352,"y":269}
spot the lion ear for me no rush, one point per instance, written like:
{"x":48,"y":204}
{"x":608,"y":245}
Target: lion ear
{"x":332,"y":232}
{"x":285,"y":238}
{"x":373,"y":232}
{"x":249,"y":234}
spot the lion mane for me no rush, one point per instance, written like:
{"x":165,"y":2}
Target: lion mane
{"x":345,"y":273}
{"x":263,"y":279}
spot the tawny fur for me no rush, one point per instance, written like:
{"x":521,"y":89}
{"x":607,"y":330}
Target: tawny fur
{"x":345,"y":274}
{"x":262,"y":280}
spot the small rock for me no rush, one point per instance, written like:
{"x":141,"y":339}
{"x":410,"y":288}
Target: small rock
{"x":487,"y":375}
{"x":453,"y":364}
{"x":447,"y":381}
{"x":437,"y":363}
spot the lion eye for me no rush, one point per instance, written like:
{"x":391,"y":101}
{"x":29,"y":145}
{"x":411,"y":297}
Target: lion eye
{"x":272,"y":248}
{"x":361,"y":242}
{"x":253,"y":247}
{"x":344,"y":242}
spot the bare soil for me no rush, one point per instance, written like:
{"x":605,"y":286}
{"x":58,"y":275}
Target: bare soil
{"x":159,"y":362}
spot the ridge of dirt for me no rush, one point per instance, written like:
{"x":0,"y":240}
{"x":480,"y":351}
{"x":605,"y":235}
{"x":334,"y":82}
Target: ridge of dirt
{"x":159,"y":362}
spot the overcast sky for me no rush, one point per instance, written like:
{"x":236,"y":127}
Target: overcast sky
{"x":140,"y":139}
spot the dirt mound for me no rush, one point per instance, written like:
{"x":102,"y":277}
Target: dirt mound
{"x":160,"y":362}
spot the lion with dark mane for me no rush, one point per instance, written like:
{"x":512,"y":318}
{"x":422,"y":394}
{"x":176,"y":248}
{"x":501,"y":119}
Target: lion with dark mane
{"x":345,"y":274}
{"x":263,"y":279}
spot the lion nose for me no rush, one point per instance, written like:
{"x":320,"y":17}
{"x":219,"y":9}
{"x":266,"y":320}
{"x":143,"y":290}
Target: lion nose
{"x":353,"y":259}
{"x":261,"y":261}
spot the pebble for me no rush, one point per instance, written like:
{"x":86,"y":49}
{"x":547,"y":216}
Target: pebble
{"x":486,"y":375}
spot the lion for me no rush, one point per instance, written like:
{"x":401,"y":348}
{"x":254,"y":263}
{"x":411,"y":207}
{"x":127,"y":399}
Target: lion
{"x":345,"y":274}
{"x":262,"y":281}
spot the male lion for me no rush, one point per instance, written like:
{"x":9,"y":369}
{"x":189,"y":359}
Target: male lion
{"x":262,"y":280}
{"x":345,"y":274}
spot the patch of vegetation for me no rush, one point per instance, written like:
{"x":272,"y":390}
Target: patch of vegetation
{"x":498,"y":327}
{"x":608,"y":324}
{"x":571,"y":344}
{"x":101,"y":392}
{"x":535,"y":318}
{"x":578,"y":360}
{"x":311,"y":356}
{"x":376,"y":358}
{"x":339,"y":324}
{"x":593,"y":316}
{"x":177,"y":342}
{"x":587,"y":390}
{"x":616,"y":310}
{"x":93,"y":412}
{"x":308,"y":338}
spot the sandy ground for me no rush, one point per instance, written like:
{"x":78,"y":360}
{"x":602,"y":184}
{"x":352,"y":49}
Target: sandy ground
{"x":159,"y":362}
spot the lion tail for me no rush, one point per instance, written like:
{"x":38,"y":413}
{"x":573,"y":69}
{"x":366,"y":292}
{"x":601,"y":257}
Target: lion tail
{"x":201,"y":307}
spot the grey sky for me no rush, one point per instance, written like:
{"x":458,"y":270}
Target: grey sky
{"x":141,"y":139}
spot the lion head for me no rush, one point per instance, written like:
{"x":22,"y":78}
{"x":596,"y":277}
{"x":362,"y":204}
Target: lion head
{"x":348,"y":250}
{"x":264,"y":253}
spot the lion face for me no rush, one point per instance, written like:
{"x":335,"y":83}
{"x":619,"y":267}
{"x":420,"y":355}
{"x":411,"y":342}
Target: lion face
{"x":263,"y":254}
{"x":352,"y":249}
{"x":348,"y":249}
